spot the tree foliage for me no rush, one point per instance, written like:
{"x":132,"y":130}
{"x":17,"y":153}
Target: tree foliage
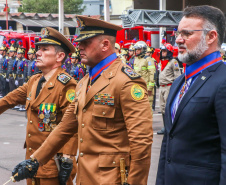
{"x":51,"y":6}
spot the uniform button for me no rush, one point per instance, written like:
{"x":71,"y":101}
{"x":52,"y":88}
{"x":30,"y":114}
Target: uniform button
{"x":31,"y":122}
{"x":171,"y":136}
{"x":114,"y":162}
{"x":30,"y":149}
{"x":103,"y":113}
{"x":81,"y":140}
{"x":29,"y":135}
{"x":32,"y":109}
{"x":83,"y":125}
{"x":81,"y":154}
{"x":84,"y":110}
{"x":168,"y":160}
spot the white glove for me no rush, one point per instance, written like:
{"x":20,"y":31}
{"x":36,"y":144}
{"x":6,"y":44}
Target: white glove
{"x":16,"y":82}
{"x":7,"y":79}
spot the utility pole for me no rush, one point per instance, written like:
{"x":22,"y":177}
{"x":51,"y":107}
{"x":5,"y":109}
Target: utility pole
{"x":7,"y":22}
{"x":162,"y":6}
{"x":61,"y":16}
{"x":106,"y":11}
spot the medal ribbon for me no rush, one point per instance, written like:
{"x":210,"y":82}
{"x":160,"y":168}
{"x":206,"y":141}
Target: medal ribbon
{"x":202,"y":64}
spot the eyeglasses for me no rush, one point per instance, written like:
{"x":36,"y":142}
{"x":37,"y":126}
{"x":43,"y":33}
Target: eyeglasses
{"x":186,"y":33}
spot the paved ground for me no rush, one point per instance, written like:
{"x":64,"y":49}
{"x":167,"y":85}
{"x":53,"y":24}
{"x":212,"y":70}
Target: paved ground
{"x":12,"y":136}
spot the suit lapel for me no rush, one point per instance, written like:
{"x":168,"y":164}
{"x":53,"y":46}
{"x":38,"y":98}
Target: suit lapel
{"x":191,"y":92}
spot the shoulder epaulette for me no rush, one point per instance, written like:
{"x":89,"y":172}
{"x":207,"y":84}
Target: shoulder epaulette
{"x":63,"y":78}
{"x":6,"y":57}
{"x":130,"y":73}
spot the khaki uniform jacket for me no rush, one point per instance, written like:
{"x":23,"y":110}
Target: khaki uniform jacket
{"x":54,"y":91}
{"x":107,"y":133}
{"x":145,"y":67}
{"x":169,"y":73}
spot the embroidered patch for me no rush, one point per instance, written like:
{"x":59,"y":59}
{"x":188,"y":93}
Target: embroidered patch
{"x":137,"y":92}
{"x":63,"y":78}
{"x":130,"y":73}
{"x":176,"y":64}
{"x":70,"y":95}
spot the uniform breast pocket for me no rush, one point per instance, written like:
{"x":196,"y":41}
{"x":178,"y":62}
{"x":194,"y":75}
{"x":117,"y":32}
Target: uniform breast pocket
{"x":102,"y":117}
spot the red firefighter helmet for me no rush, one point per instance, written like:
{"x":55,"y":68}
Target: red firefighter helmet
{"x":169,"y":47}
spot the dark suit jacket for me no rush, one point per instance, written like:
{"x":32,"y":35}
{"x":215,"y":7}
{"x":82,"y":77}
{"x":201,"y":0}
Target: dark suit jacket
{"x":193,"y":150}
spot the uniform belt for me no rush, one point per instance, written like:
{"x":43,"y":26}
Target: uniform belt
{"x":166,"y":85}
{"x":3,"y":74}
{"x":20,"y":76}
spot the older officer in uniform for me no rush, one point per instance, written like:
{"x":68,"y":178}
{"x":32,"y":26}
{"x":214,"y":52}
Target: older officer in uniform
{"x":3,"y":50}
{"x":145,"y":66}
{"x":168,"y":73}
{"x":111,"y":113}
{"x":47,"y":96}
{"x":32,"y":68}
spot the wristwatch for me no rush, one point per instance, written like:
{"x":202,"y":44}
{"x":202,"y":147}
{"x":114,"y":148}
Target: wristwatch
{"x":65,"y":159}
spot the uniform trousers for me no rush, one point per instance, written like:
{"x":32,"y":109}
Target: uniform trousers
{"x":12,"y":85}
{"x":2,"y":85}
{"x":163,"y":95}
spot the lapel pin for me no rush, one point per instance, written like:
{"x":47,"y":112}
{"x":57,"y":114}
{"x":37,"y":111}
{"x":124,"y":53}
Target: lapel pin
{"x":110,"y":73}
{"x":203,"y":77}
{"x":80,"y":85}
{"x":51,"y":83}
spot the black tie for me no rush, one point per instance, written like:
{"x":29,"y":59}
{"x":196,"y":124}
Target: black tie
{"x":40,"y":85}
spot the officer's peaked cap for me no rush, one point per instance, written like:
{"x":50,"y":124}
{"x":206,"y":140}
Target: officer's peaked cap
{"x":90,"y":27}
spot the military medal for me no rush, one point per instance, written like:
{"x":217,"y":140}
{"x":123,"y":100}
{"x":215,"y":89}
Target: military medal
{"x":41,"y":116}
{"x":46,"y":120}
{"x":52,"y":117}
{"x":47,"y":128}
{"x":41,"y":127}
{"x":53,"y":125}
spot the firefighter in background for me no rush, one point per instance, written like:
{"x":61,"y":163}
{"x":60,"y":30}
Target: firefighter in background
{"x":145,"y":67}
{"x":67,"y":64}
{"x":149,"y":53}
{"x":78,"y":69}
{"x":222,"y":52}
{"x":124,"y":55}
{"x":11,"y":66}
{"x":131,"y":55}
{"x":21,"y":71}
{"x":3,"y":51}
{"x":117,"y":49}
{"x":32,"y":68}
{"x":168,"y":73}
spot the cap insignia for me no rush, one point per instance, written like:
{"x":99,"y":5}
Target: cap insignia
{"x":44,"y":33}
{"x":80,"y":23}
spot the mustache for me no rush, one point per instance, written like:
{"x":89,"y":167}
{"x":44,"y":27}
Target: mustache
{"x":182,"y":46}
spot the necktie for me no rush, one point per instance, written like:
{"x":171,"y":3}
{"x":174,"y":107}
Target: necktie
{"x":42,"y":79}
{"x":183,"y":91}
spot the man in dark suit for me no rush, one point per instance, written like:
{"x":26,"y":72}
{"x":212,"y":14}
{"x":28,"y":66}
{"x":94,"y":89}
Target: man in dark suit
{"x":194,"y":145}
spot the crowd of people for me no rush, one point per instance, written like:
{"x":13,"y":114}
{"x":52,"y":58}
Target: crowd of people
{"x":107,"y":114}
